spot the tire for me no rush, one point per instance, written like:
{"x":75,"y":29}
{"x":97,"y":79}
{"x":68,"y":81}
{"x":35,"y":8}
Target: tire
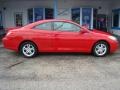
{"x":28,"y":49}
{"x":100,"y":49}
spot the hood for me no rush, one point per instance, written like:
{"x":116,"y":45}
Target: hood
{"x":101,"y":32}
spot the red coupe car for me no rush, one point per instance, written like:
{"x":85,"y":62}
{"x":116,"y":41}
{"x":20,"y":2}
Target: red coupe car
{"x":59,"y":36}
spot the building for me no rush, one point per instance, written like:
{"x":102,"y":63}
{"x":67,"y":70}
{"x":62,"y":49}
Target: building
{"x":99,"y":14}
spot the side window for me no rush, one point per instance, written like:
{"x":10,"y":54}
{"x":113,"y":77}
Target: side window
{"x":63,"y":26}
{"x":44,"y":26}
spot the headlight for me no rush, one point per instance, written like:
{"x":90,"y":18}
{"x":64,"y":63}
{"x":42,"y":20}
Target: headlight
{"x":113,"y":38}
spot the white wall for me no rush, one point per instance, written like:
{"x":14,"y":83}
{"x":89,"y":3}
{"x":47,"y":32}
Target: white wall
{"x":22,"y":6}
{"x":86,"y":3}
{"x":116,"y":4}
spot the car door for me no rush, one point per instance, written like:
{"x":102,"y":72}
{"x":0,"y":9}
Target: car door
{"x":69,"y":38}
{"x":44,"y":37}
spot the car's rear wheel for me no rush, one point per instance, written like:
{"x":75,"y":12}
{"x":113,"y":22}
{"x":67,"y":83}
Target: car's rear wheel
{"x":28,"y":49}
{"x":101,"y":49}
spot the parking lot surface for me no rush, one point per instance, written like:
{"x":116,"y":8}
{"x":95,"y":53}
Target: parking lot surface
{"x":59,"y":72}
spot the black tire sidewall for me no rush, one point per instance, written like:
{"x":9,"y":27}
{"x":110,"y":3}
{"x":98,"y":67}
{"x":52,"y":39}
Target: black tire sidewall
{"x":100,"y":42}
{"x":21,"y":51}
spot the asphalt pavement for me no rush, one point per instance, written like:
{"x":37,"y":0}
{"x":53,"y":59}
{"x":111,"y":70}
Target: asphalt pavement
{"x":59,"y":71}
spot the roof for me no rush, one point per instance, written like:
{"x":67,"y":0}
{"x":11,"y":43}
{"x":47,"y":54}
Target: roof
{"x":49,"y":20}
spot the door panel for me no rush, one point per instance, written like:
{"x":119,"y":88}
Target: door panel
{"x":69,"y":38}
{"x":44,"y":37}
{"x":44,"y":40}
{"x":72,"y":41}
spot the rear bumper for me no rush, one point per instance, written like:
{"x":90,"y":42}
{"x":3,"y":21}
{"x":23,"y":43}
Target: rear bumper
{"x":9,"y":44}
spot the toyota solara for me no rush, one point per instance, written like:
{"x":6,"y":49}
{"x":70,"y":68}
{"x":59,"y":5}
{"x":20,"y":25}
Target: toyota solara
{"x":59,"y":36}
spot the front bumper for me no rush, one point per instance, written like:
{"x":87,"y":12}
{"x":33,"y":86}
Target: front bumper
{"x":114,"y":45}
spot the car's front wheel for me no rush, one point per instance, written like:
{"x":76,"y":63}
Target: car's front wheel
{"x":28,"y":49}
{"x":101,"y":49}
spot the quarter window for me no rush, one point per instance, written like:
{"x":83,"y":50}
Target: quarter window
{"x":44,"y":26}
{"x":63,"y":26}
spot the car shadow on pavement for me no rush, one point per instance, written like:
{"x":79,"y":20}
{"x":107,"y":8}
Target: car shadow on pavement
{"x":18,"y":59}
{"x":58,"y":57}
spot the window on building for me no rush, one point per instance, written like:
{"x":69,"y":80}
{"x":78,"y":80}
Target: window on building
{"x":76,"y":15}
{"x":38,"y":13}
{"x":87,"y":17}
{"x":30,"y":15}
{"x":19,"y":19}
{"x":63,"y":26}
{"x":115,"y":19}
{"x":1,"y":24}
{"x":44,"y":26}
{"x":49,"y":13}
